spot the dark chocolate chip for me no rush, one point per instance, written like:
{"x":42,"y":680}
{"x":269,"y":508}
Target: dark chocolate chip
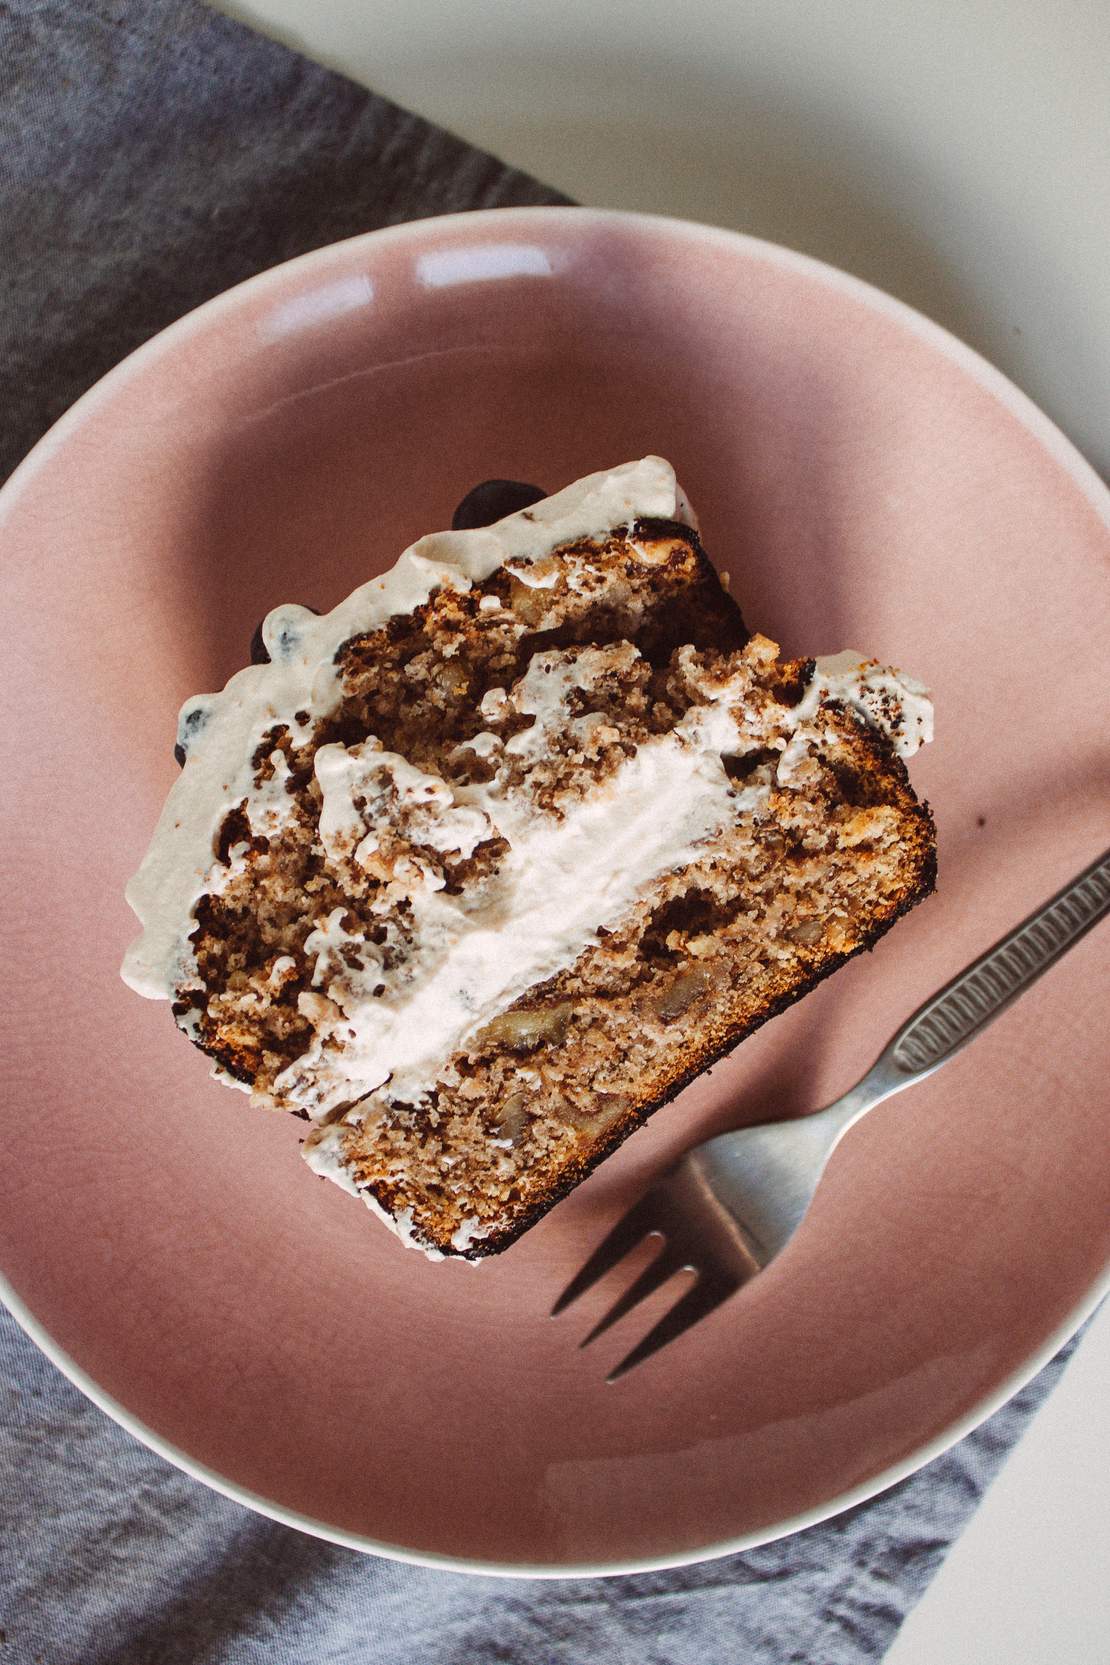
{"x":259,"y":655}
{"x":493,"y":500}
{"x":190,"y":726}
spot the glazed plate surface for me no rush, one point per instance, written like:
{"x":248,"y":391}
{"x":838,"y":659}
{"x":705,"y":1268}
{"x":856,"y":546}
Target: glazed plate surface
{"x":868,"y":482}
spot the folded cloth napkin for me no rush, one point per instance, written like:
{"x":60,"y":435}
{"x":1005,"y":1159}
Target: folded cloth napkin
{"x":151,"y":154}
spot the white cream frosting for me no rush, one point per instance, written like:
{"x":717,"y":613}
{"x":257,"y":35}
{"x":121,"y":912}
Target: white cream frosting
{"x":889,"y":700}
{"x":221,"y":732}
{"x":563,"y":875}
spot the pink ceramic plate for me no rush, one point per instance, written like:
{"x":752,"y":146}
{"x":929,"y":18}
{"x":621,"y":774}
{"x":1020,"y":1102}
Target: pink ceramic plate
{"x":868,"y":482}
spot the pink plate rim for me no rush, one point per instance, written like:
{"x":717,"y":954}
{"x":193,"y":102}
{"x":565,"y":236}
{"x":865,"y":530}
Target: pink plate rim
{"x":1059,"y":447}
{"x":492,"y":1569}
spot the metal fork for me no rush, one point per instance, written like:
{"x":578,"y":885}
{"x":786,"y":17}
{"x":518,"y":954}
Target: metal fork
{"x":733,"y":1203}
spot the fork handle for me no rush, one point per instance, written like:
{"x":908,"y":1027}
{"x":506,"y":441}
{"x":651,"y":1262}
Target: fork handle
{"x":975,"y":996}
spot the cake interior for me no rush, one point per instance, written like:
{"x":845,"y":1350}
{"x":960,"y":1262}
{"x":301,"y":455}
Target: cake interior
{"x":549,"y":683}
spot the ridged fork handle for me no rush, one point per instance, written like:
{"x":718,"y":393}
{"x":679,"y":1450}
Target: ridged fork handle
{"x":975,"y":996}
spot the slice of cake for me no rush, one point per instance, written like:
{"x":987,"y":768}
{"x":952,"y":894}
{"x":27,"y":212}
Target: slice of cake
{"x":480,"y":868}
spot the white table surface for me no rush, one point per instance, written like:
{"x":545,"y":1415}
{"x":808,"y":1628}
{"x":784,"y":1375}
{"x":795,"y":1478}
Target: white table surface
{"x":957,"y":153}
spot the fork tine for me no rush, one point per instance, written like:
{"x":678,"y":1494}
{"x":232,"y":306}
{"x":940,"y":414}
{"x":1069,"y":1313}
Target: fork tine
{"x":698,"y":1302}
{"x":624,"y":1236}
{"x":666,"y":1263}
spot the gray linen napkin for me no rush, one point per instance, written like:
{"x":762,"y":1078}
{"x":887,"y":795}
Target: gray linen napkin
{"x":151,"y":154}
